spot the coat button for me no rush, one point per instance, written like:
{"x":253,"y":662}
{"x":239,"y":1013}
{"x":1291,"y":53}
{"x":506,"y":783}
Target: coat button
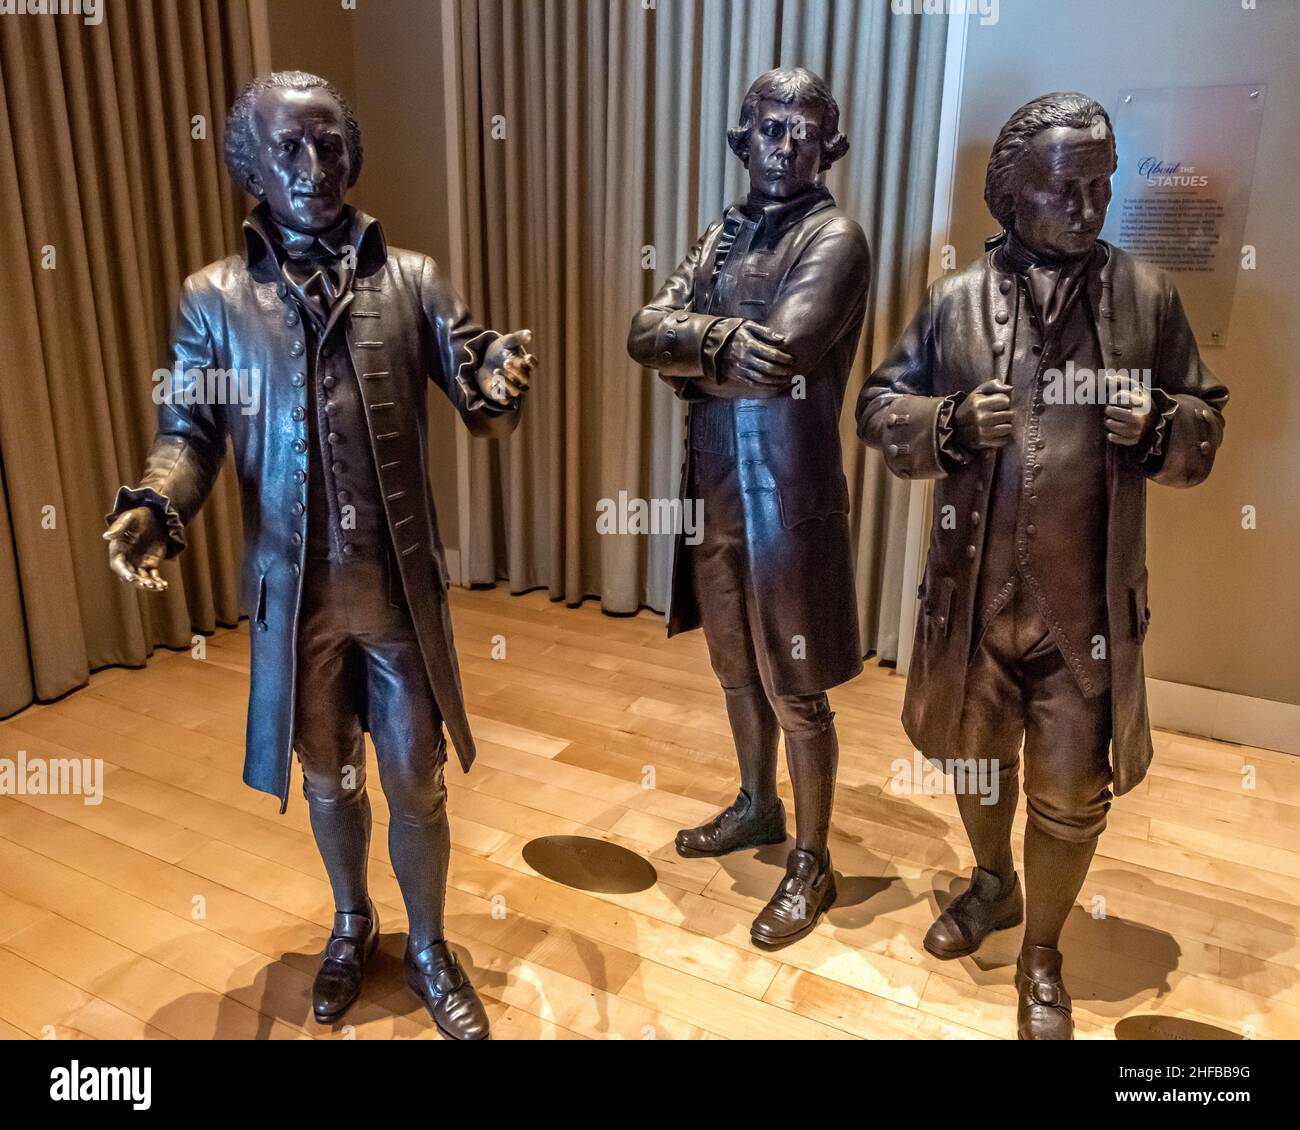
{"x":295,"y":569}
{"x":337,"y":468}
{"x":261,"y":625}
{"x":295,"y":538}
{"x":1205,"y":447}
{"x":893,"y":450}
{"x":300,"y":445}
{"x":298,"y":508}
{"x":345,"y":496}
{"x":300,"y":413}
{"x":999,"y":348}
{"x":296,"y":349}
{"x":1002,"y":317}
{"x":975,"y":517}
{"x":670,"y":336}
{"x":666,"y":357}
{"x":349,"y":550}
{"x":330,"y":382}
{"x":971,"y":551}
{"x":291,"y":318}
{"x":1031,"y":530}
{"x":334,"y":437}
{"x":300,"y":477}
{"x":1005,"y":286}
{"x":299,"y":379}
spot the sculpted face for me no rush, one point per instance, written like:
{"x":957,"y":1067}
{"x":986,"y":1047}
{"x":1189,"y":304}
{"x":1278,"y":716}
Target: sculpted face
{"x":1064,"y":192}
{"x":785,"y":149}
{"x":303,"y":164}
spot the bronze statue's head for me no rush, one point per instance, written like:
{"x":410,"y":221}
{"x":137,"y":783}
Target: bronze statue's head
{"x":293,"y":141}
{"x":1049,"y":176}
{"x":789,"y":132}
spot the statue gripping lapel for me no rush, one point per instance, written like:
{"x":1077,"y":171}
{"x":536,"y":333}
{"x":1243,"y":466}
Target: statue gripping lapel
{"x":338,"y":336}
{"x":756,"y":331}
{"x":1042,"y":387}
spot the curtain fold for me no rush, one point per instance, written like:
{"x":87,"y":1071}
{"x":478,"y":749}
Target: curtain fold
{"x":613,"y":160}
{"x":110,"y":201}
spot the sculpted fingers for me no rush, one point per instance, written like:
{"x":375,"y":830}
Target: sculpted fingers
{"x":132,"y":575}
{"x":520,"y":341}
{"x":765,"y":369}
{"x":754,"y":347}
{"x":118,"y":563}
{"x":517,"y":373}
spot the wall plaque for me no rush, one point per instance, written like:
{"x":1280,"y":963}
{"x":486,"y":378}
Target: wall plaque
{"x":1186,"y":165}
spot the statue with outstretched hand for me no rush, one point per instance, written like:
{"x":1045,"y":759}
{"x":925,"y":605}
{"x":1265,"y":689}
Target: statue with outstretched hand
{"x":334,"y":339}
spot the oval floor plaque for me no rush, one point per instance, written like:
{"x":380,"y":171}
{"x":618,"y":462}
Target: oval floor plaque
{"x":1154,"y":1027}
{"x":590,"y":864}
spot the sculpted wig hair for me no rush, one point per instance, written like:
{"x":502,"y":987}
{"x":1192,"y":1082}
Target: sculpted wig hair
{"x":241,"y":131}
{"x":1069,"y":109}
{"x":789,"y":85}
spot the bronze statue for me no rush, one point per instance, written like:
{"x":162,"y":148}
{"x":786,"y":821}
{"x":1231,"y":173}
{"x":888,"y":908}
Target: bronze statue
{"x":336,"y":335}
{"x":1042,"y":386}
{"x":756,"y":330}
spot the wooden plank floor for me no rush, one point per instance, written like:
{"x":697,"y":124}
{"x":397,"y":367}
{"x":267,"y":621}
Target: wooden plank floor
{"x":184,"y":905}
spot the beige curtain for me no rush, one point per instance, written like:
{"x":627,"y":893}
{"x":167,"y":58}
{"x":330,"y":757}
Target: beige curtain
{"x":594,"y":143}
{"x":109,"y":202}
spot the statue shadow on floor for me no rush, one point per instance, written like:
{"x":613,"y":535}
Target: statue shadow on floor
{"x":280,"y":991}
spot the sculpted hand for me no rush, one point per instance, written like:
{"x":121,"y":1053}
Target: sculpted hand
{"x":1130,"y":413}
{"x":984,"y":418}
{"x":507,"y":370}
{"x":755,"y":356}
{"x":137,"y":544}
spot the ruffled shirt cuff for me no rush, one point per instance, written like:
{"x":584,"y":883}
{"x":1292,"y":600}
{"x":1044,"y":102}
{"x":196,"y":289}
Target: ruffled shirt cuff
{"x":951,"y":454}
{"x":129,"y":498}
{"x":475,"y":401}
{"x":1165,"y":408}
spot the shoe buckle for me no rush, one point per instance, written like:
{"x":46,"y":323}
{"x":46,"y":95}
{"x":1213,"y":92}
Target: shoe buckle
{"x":1048,"y":993}
{"x":346,"y":951}
{"x":448,"y":981}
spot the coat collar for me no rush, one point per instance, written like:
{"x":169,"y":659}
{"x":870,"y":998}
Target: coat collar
{"x":775,"y":218}
{"x":265,"y":240}
{"x":1099,"y":271}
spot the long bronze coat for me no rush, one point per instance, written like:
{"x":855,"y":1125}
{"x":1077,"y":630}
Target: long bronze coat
{"x":957,"y":341}
{"x":802,"y":269}
{"x":404,"y":325}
